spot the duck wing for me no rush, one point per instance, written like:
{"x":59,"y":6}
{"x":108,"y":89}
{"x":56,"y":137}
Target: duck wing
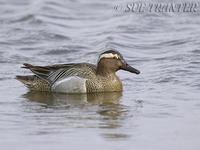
{"x":58,"y":72}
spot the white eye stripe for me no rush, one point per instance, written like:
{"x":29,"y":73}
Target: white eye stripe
{"x":109,"y":55}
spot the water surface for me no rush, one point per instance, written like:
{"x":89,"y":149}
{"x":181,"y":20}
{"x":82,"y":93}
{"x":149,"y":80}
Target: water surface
{"x":158,"y":109}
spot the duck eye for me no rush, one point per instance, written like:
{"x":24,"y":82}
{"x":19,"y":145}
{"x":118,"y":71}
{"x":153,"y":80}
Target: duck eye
{"x":116,"y":56}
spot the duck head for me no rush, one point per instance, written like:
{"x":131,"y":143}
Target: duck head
{"x":111,"y":61}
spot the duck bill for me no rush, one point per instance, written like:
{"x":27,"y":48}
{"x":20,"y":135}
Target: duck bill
{"x":127,"y":67}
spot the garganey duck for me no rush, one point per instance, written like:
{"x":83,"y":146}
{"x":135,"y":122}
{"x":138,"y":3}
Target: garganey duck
{"x":79,"y":77}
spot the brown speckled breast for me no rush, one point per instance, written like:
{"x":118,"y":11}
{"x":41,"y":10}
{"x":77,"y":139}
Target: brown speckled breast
{"x":104,"y":84}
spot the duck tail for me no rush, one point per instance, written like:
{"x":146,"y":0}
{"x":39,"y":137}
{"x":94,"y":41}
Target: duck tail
{"x":26,"y":80}
{"x":27,"y":66}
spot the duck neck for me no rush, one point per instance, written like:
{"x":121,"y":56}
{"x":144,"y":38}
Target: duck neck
{"x":104,"y":70}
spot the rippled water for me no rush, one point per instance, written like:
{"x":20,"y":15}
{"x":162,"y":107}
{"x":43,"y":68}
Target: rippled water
{"x":159,"y":109}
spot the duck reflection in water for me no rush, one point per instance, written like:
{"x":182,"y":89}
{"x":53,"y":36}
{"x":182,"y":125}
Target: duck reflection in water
{"x":53,"y":99}
{"x":104,"y":108}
